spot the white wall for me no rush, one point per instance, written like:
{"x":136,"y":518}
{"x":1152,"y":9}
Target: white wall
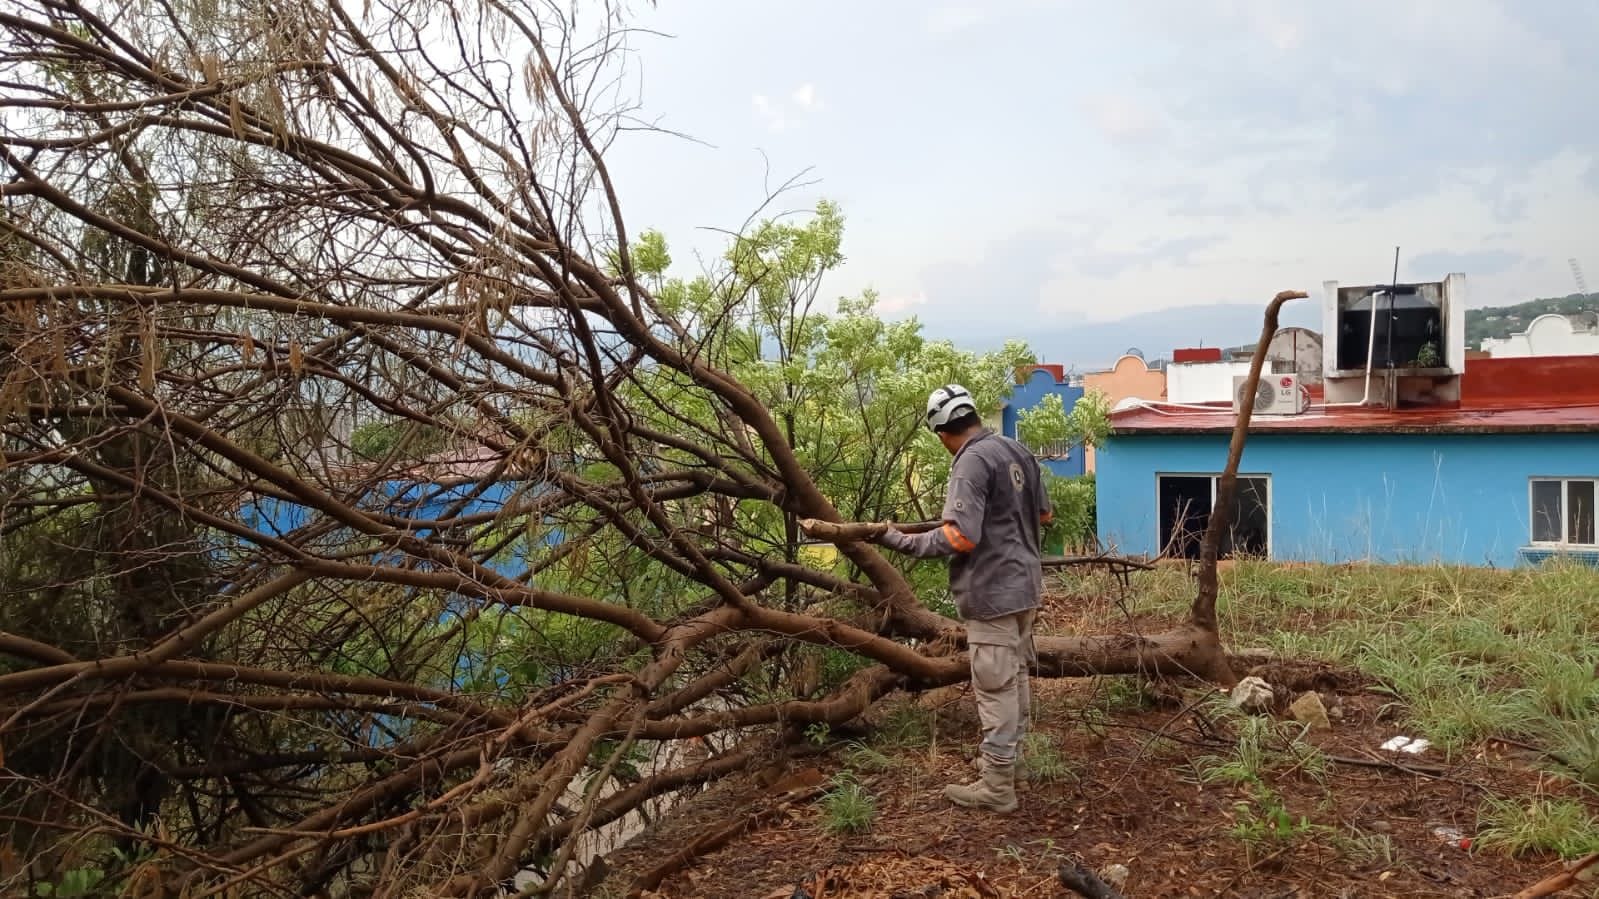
{"x":1202,"y":382}
{"x":1546,"y":335}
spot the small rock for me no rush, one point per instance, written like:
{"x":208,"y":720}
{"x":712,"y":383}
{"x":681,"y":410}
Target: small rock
{"x":1308,"y":710}
{"x":1253,"y":695}
{"x":1115,"y":875}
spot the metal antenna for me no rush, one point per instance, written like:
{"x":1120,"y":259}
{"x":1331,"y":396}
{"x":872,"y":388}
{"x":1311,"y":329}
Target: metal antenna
{"x":1393,"y":291}
{"x":1576,"y":272}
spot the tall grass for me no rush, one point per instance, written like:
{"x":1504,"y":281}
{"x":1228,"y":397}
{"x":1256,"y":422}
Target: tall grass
{"x":1467,"y":653}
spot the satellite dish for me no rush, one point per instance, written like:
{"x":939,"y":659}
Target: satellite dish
{"x":1134,"y":351}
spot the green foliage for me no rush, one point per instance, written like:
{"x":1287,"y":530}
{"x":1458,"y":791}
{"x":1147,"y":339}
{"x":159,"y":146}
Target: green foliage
{"x":1466,"y":653}
{"x":74,"y":882}
{"x":845,"y":387}
{"x":1087,"y":423}
{"x":1561,"y":826}
{"x":1075,"y":521}
{"x":1264,"y":820}
{"x":1264,"y":747}
{"x":1045,"y":423}
{"x":1043,"y":761}
{"x":1121,"y":693}
{"x":404,"y":438}
{"x":862,"y":757}
{"x":907,"y":726}
{"x":1502,"y":321}
{"x":848,"y":808}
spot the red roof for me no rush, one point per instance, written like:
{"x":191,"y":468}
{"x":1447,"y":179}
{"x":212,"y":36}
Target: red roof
{"x":1197,"y":354}
{"x":1526,"y":395}
{"x":1024,"y":373}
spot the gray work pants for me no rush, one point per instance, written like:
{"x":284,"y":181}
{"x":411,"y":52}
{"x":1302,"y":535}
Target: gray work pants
{"x":1001,"y":651}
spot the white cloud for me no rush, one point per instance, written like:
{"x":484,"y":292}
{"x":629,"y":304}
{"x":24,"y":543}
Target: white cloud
{"x":900,"y":302}
{"x":782,"y":116}
{"x":770,"y":114}
{"x":1124,"y":119}
{"x":952,"y":18}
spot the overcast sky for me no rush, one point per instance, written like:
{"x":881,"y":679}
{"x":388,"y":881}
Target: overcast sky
{"x":1088,"y":160}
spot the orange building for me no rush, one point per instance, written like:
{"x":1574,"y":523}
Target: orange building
{"x":1129,"y":377}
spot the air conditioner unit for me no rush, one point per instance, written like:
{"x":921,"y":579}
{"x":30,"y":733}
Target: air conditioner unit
{"x":1275,"y":395}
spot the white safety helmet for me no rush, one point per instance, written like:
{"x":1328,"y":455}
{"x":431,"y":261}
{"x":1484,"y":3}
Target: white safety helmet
{"x":947,"y":402}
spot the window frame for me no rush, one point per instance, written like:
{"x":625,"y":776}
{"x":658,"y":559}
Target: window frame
{"x":1215,"y":485}
{"x":1565,"y":482}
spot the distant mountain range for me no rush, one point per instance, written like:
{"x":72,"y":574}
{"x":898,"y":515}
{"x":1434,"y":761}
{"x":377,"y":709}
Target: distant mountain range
{"x":1097,"y":345}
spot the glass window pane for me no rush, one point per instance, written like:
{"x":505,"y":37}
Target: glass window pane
{"x":1546,"y":511}
{"x":1579,"y":512}
{"x":1251,"y":520}
{"x":1184,"y":513}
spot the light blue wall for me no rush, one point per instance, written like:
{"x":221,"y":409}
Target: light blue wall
{"x":421,"y":501}
{"x":1027,"y":395}
{"x":1394,"y":498}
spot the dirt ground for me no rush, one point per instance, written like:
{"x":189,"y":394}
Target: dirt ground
{"x":1131,"y":800}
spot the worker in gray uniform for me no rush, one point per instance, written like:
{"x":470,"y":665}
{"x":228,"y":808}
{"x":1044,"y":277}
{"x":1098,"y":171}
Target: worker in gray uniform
{"x":993,"y":512}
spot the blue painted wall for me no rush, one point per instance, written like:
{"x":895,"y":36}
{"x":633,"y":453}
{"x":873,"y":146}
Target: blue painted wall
{"x":1027,"y":395}
{"x":1393,"y":498}
{"x":420,"y":501}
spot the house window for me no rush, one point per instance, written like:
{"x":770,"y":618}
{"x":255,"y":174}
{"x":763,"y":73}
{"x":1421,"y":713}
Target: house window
{"x":1053,"y":449}
{"x":1185,"y":503}
{"x":1563,"y":510}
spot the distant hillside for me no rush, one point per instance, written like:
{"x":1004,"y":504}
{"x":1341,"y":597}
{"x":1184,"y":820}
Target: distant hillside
{"x":1503,"y":321}
{"x":1096,"y":345}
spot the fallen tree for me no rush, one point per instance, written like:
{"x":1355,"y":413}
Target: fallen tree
{"x":369,"y":497}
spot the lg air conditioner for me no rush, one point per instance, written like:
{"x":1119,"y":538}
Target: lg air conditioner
{"x":1276,"y":394}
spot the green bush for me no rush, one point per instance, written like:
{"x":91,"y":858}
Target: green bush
{"x":1075,"y":523}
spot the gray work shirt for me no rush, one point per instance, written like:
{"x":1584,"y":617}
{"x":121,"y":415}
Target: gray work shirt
{"x":993,"y":511}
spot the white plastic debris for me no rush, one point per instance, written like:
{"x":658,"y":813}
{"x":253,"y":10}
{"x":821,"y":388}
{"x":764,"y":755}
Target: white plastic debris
{"x":1411,"y":745}
{"x":1452,"y":836}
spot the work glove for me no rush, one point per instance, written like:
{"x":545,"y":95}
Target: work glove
{"x":888,"y":535}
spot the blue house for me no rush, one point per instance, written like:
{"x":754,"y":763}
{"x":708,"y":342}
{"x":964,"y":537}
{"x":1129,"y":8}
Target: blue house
{"x":1486,"y":462}
{"x":1032,"y":385}
{"x":448,"y":484}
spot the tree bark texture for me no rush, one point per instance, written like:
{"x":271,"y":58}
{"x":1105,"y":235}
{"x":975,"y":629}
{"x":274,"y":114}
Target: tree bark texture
{"x":373,"y":520}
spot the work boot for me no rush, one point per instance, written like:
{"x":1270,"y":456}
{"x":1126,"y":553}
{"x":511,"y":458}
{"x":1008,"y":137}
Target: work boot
{"x":1018,"y":770}
{"x":995,"y":790}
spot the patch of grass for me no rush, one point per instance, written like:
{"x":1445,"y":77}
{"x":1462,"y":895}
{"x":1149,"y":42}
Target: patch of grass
{"x":1266,"y":821}
{"x":1515,"y":827}
{"x":1043,"y":760}
{"x":1577,"y":745}
{"x":1264,"y":747}
{"x":1121,"y":693}
{"x":1467,"y":712}
{"x":848,"y":807}
{"x":908,"y":726}
{"x":861,"y":757}
{"x":1561,"y":683}
{"x":1466,"y":653}
{"x":1365,"y":848}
